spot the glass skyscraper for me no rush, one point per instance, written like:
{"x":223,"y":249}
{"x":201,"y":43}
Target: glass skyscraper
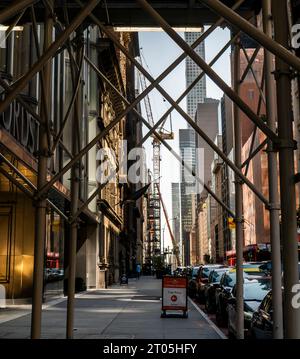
{"x":192,"y":70}
{"x":187,"y":142}
{"x":187,"y":145}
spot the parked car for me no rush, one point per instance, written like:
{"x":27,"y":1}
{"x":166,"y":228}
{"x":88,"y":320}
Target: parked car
{"x":255,"y":289}
{"x":262,"y":319}
{"x":254,"y":268}
{"x":267,"y":267}
{"x":180,"y":271}
{"x":192,"y":286}
{"x":202,"y":279}
{"x":224,"y":290}
{"x":55,"y":274}
{"x":210,"y":288}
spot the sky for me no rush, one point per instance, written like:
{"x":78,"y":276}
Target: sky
{"x":158,"y":52}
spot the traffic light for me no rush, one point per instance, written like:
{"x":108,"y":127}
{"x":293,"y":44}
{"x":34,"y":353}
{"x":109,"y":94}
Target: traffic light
{"x":231,"y":223}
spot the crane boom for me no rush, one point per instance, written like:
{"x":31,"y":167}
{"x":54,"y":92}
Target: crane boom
{"x":155,"y":200}
{"x":175,"y":245}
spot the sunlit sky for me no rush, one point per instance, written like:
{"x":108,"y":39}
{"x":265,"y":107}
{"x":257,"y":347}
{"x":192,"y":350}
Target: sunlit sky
{"x":159,"y":51}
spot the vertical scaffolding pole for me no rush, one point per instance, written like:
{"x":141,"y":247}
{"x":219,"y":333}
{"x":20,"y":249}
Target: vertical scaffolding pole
{"x":41,"y":204}
{"x":75,"y":181}
{"x":238,"y":199}
{"x":286,"y":162}
{"x":274,"y":207}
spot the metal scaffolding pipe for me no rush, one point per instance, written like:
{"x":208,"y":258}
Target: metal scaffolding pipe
{"x":208,"y":70}
{"x":188,"y":89}
{"x":29,"y":183}
{"x":11,"y":28}
{"x":157,"y":135}
{"x":254,"y":153}
{"x":255,"y":128}
{"x":250,"y":63}
{"x":261,"y":93}
{"x":21,"y":101}
{"x":42,"y":76}
{"x":16,"y":183}
{"x":131,"y":106}
{"x":14,"y":8}
{"x":62,"y":127}
{"x":41,"y":203}
{"x":273,"y":177}
{"x":286,"y":164}
{"x":273,"y":46}
{"x":47,"y":55}
{"x":239,"y":220}
{"x":75,"y":185}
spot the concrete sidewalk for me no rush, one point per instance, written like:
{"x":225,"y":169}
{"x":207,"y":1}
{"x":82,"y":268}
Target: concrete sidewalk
{"x":125,"y":312}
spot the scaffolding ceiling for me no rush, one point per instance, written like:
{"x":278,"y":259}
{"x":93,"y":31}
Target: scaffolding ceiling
{"x":180,"y":14}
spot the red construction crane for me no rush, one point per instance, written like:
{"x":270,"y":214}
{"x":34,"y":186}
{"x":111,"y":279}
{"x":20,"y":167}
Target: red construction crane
{"x":175,"y":245}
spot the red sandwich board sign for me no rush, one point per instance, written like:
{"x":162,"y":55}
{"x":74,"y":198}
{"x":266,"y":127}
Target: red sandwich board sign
{"x":174,"y":295}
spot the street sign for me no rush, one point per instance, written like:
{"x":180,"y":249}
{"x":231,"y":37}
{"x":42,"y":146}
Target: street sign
{"x":174,"y":295}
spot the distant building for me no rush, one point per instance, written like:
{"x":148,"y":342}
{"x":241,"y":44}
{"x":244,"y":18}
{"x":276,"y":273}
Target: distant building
{"x":187,"y":145}
{"x":176,"y":212}
{"x":187,"y":140}
{"x":192,"y":70}
{"x":256,"y":217}
{"x":228,"y":188}
{"x":207,"y":120}
{"x":217,"y":231}
{"x":203,"y":231}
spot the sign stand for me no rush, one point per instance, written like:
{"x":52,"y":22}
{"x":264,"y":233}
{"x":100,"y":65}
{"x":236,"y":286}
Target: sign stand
{"x":174,"y":296}
{"x":123,"y":279}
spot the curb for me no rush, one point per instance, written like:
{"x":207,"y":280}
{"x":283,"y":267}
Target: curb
{"x":213,"y":325}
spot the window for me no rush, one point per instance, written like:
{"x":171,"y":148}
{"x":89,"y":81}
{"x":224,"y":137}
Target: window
{"x":251,"y":94}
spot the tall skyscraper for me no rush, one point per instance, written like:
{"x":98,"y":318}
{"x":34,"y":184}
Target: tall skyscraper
{"x":187,"y":146}
{"x":207,"y":120}
{"x":187,"y":143}
{"x":192,"y":70}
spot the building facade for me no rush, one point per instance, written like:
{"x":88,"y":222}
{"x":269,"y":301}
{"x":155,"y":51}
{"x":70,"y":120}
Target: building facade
{"x":187,"y":146}
{"x":107,"y":230}
{"x":192,"y":70}
{"x":207,"y":119}
{"x":175,"y":190}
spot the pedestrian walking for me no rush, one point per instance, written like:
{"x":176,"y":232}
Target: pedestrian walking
{"x":138,"y":271}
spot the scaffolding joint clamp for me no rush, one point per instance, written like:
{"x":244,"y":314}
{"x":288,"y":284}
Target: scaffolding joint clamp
{"x":283,"y":143}
{"x":44,"y":153}
{"x":38,"y":198}
{"x":271,"y":147}
{"x":239,"y":181}
{"x":278,"y":73}
{"x":272,"y":206}
{"x":73,"y":220}
{"x":239,"y":220}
